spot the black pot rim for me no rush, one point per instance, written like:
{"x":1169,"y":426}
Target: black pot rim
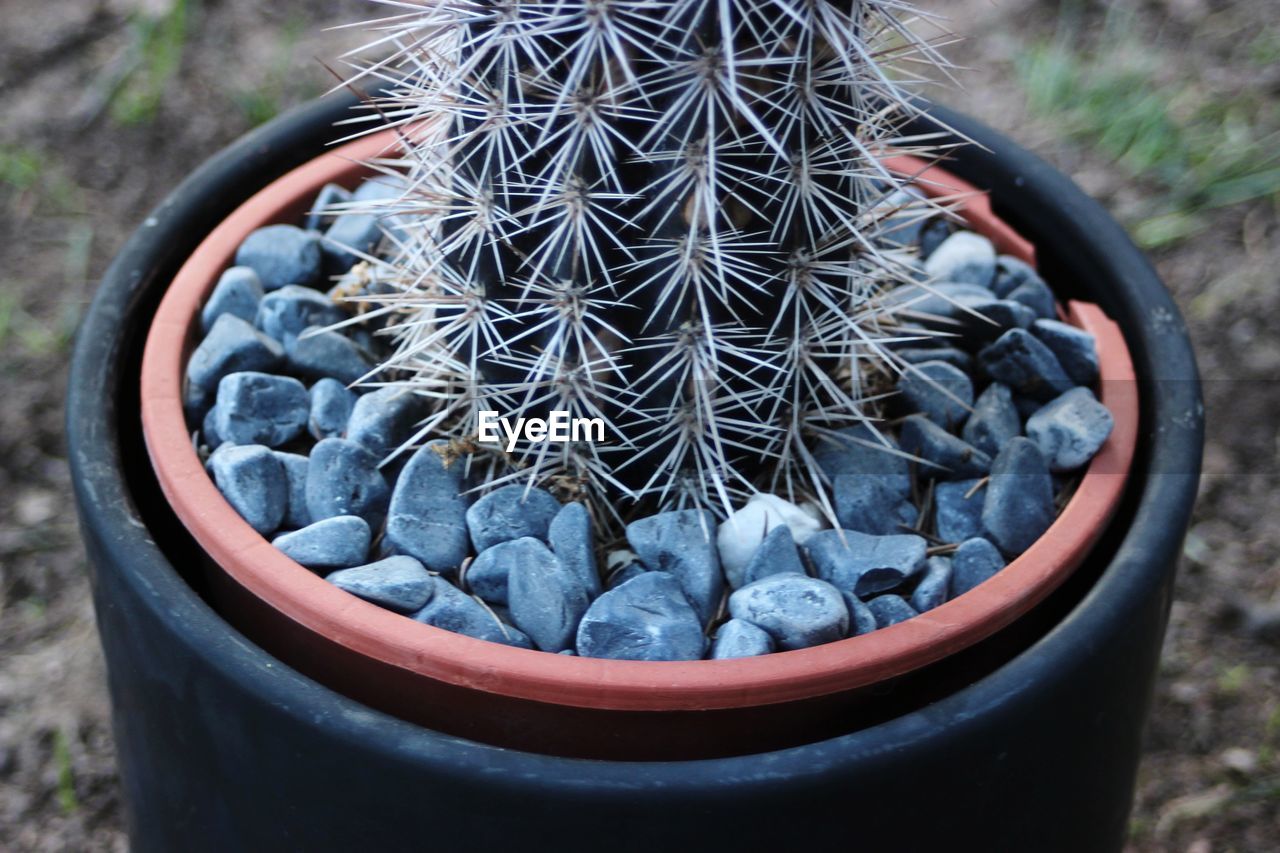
{"x":1165,"y":478}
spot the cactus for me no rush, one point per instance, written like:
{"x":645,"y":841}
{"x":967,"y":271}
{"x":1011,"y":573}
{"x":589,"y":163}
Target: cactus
{"x":668,"y":214}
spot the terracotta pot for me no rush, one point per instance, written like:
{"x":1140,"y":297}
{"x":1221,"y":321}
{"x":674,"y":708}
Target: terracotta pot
{"x":568,"y":705}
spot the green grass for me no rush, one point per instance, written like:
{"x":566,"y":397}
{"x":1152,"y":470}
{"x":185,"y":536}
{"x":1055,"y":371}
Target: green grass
{"x":158,"y":42}
{"x":1197,"y":149}
{"x":67,"y":800}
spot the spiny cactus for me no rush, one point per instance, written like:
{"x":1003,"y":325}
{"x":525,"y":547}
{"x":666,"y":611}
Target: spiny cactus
{"x":668,"y":214}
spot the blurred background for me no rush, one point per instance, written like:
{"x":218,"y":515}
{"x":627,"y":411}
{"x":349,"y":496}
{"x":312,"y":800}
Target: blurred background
{"x":1168,"y":111}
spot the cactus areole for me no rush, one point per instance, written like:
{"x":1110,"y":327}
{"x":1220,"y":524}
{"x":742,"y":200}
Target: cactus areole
{"x":671,"y":217}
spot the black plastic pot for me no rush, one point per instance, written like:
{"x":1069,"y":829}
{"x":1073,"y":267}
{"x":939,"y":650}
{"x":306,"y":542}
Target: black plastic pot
{"x":223,"y":747}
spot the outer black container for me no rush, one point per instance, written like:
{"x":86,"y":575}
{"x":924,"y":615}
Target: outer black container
{"x":222,"y":747}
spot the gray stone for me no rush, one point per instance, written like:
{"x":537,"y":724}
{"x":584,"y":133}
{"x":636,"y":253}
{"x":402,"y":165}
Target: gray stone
{"x":232,"y":346}
{"x":949,"y":355}
{"x":332,"y":543}
{"x":253,"y":481}
{"x":281,"y":255}
{"x":352,"y":237}
{"x":1025,"y":364}
{"x":343,"y":479}
{"x":963,"y":257}
{"x":776,"y":555}
{"x":260,"y":408}
{"x":1018,"y":507}
{"x":209,"y":430}
{"x":994,"y":420}
{"x":871,"y":504}
{"x":196,"y":403}
{"x":510,"y":512}
{"x":646,"y":618}
{"x":949,"y":457}
{"x":683,"y":544}
{"x":547,"y":599}
{"x":860,"y":450}
{"x":890,"y":610}
{"x":797,"y":611}
{"x":319,"y":217}
{"x":1037,"y":296}
{"x":933,"y":587}
{"x":427,"y":518}
{"x":453,"y":610}
{"x":740,"y":535}
{"x":932,"y":234}
{"x":571,"y":539}
{"x":975,"y":561}
{"x":738,"y":638}
{"x":939,"y":391}
{"x":331,"y":404}
{"x":286,"y":313}
{"x":488,"y":574}
{"x":384,"y":419}
{"x":1012,"y":273}
{"x":865,"y":564}
{"x":397,"y":583}
{"x":237,"y":292}
{"x":938,"y":299}
{"x":621,"y":566}
{"x":988,"y":319}
{"x":316,"y":353}
{"x":861,"y":619}
{"x":295,"y":468}
{"x":1075,"y":349}
{"x":1070,"y":429}
{"x":957,"y":509}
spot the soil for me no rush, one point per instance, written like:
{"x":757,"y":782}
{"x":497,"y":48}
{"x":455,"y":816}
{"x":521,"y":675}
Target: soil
{"x":104,"y":111}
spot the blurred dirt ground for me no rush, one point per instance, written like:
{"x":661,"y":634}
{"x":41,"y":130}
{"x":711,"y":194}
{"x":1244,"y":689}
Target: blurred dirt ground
{"x":1169,"y":112}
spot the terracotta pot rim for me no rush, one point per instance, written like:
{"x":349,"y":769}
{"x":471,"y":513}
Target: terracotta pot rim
{"x":301,"y":597}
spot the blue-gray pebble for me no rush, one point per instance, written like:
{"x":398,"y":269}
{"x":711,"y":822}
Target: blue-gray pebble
{"x":1019,"y":504}
{"x":253,"y":481}
{"x":963,"y":257}
{"x":397,"y":583}
{"x":385,"y":418}
{"x":260,"y":408}
{"x":295,"y":468}
{"x":331,"y":404}
{"x":957,"y":509}
{"x":317,"y":353}
{"x":237,"y":292}
{"x":861,"y":619}
{"x":940,"y":391}
{"x":1075,"y":349}
{"x":319,"y":216}
{"x":231,"y":346}
{"x":865,"y":564}
{"x":1011,"y":273}
{"x":682,"y":543}
{"x":453,"y":610}
{"x":546,"y":598}
{"x":777,"y":554}
{"x":950,"y":355}
{"x":797,"y":611}
{"x":343,"y":479}
{"x":890,"y":610}
{"x":511,"y":512}
{"x":871,"y":504}
{"x":1021,"y":361}
{"x":994,"y":420}
{"x":934,"y":586}
{"x":489,"y":572}
{"x":646,"y":618}
{"x":975,"y":561}
{"x":571,"y":539}
{"x":860,"y":450}
{"x":286,"y":313}
{"x":427,"y":516}
{"x":951,"y":457}
{"x":1037,"y":296}
{"x":738,"y":638}
{"x":332,"y":543}
{"x":281,"y":255}
{"x":1070,"y":429}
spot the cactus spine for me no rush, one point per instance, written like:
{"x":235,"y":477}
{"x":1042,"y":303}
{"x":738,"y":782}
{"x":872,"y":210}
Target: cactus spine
{"x":668,"y":214}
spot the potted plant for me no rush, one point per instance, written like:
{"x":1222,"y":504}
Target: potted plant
{"x":498,"y":291}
